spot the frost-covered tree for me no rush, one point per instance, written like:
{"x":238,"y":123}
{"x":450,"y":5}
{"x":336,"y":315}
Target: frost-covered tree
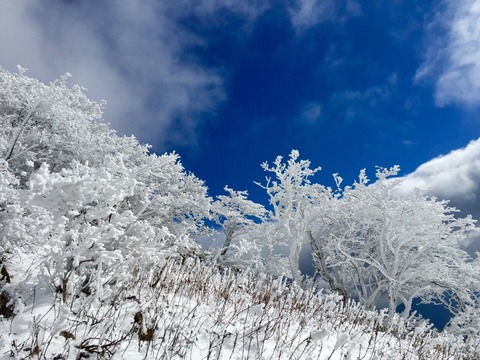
{"x":168,"y":196}
{"x":48,"y":123}
{"x":236,"y":215}
{"x":378,"y":243}
{"x":57,"y":124}
{"x":93,"y":237}
{"x":467,"y":322}
{"x":371,"y":241}
{"x":292,"y":196}
{"x":9,"y":207}
{"x":97,"y":206}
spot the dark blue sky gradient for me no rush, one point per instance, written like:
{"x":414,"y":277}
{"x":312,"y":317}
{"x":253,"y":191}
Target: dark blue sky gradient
{"x":360,"y":71}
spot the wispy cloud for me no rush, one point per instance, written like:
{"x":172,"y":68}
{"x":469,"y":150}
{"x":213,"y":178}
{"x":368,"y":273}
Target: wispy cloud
{"x":310,"y":113}
{"x":137,"y":55}
{"x":248,"y":9}
{"x":308,"y":13}
{"x":453,"y":54}
{"x":353,"y":105}
{"x":129,"y":53}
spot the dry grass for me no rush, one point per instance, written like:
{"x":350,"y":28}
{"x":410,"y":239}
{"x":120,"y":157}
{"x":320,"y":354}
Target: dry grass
{"x":186,"y":310}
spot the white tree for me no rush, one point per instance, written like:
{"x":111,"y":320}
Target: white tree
{"x":371,"y":241}
{"x":167,"y":196}
{"x":87,"y":237}
{"x":57,"y":124}
{"x":292,"y":196}
{"x":236,"y":215}
{"x":96,"y":235}
{"x":377,"y":243}
{"x":466,"y":323}
{"x":98,"y":202}
{"x":48,"y":123}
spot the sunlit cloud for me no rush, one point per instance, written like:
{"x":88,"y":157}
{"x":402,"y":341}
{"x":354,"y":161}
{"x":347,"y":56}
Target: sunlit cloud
{"x":455,"y":177}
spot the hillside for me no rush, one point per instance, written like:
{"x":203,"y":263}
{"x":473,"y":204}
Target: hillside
{"x":188,"y":310}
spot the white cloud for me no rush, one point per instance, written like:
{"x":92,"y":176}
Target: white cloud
{"x":129,"y":53}
{"x":453,"y":57}
{"x":455,"y":177}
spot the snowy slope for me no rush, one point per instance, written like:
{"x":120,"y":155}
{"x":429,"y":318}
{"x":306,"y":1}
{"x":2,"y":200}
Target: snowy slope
{"x":191,"y":311}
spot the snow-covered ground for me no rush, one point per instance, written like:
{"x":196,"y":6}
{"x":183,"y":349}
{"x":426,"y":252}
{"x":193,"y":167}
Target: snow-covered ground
{"x":187,"y":310}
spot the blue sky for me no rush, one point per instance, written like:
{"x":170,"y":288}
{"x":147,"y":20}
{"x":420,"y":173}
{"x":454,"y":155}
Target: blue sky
{"x":229,"y":84}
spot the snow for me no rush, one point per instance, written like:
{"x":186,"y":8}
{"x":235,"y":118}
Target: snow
{"x":192,"y":311}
